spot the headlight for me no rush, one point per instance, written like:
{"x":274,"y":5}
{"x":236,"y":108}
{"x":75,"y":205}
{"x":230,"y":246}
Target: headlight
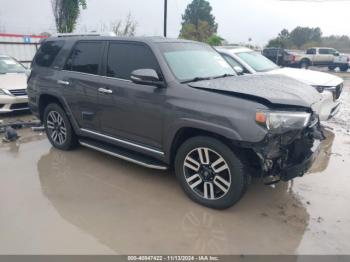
{"x":281,"y":121}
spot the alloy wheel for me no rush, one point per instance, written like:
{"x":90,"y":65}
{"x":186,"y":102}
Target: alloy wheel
{"x":207,"y":173}
{"x":56,"y":127}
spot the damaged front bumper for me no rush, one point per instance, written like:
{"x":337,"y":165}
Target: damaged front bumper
{"x":289,"y":155}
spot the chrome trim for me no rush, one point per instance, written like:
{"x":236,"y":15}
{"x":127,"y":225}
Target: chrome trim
{"x":123,"y":157}
{"x":108,"y":77}
{"x":123,"y":141}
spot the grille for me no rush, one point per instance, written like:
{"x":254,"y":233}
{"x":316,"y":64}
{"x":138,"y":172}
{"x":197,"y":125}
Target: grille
{"x":18,"y":92}
{"x":19,"y":106}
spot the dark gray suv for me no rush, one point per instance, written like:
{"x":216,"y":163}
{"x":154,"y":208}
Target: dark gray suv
{"x":165,"y":103}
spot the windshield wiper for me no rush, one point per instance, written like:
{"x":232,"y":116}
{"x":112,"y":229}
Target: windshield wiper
{"x":223,"y":76}
{"x":196,"y":79}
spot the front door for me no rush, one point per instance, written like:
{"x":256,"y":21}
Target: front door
{"x":130,"y":111}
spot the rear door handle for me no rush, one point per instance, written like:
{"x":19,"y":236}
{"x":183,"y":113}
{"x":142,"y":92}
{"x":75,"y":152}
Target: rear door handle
{"x":105,"y":91}
{"x":61,"y":82}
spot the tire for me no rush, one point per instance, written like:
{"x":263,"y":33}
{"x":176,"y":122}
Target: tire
{"x":200,"y":179}
{"x":344,"y":68}
{"x":58,"y":128}
{"x":304,"y":64}
{"x":332,"y":67}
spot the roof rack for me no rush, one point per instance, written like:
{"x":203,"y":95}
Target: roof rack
{"x":84,"y":34}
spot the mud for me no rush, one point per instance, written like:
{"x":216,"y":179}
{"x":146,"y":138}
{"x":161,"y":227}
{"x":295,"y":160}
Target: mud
{"x":84,"y":202}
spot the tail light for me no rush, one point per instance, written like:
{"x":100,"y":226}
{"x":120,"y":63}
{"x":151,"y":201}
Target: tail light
{"x":292,"y":58}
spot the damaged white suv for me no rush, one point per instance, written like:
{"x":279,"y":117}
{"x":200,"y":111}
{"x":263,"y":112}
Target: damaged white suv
{"x":13,"y":85}
{"x":245,"y":60}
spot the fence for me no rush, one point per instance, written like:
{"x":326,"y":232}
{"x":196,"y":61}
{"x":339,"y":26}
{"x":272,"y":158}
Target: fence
{"x":21,"y":47}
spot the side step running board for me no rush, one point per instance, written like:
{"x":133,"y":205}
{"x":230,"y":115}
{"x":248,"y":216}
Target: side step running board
{"x":124,"y":154}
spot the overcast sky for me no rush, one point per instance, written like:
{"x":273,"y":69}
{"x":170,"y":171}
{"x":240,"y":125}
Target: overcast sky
{"x":238,"y":19}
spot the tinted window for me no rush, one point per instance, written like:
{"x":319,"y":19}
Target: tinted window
{"x":125,"y":58}
{"x":85,"y":58}
{"x":48,"y":52}
{"x":324,"y":51}
{"x":311,"y":52}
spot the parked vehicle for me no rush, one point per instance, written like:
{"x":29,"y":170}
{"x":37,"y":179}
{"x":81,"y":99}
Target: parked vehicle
{"x":164,"y":103}
{"x":247,"y":61}
{"x":277,"y":55}
{"x":342,"y":61}
{"x":13,"y":85}
{"x":316,"y":56}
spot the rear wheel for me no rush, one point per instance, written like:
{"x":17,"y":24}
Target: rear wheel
{"x":58,"y":128}
{"x":304,"y":64}
{"x":331,"y":67}
{"x":210,"y":173}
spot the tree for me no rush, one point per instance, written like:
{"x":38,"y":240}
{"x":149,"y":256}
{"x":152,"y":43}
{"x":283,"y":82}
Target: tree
{"x":128,"y":28}
{"x":215,"y":40}
{"x":66,"y":13}
{"x":198,"y":23}
{"x":302,"y":35}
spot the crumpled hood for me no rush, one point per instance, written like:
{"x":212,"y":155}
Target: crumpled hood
{"x":309,"y":77}
{"x":13,"y":81}
{"x":276,"y":89}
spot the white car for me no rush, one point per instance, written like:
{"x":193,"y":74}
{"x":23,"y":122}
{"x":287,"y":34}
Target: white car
{"x":245,"y":60}
{"x":13,"y":85}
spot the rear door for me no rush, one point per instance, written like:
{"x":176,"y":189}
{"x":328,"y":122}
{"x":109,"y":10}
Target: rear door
{"x":81,"y":78}
{"x":131,"y":111}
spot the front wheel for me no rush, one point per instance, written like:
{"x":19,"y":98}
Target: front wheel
{"x":210,"y":173}
{"x":58,"y":128}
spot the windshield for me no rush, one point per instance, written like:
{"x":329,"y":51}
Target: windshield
{"x":9,"y":65}
{"x":257,"y":61}
{"x":190,"y":61}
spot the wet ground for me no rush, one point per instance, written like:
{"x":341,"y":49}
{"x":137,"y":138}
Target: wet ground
{"x":84,"y":202}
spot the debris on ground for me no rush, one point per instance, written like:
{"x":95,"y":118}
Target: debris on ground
{"x":10,"y":135}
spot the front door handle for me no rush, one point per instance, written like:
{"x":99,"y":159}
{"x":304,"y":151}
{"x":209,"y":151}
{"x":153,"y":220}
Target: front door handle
{"x":61,"y":82}
{"x":105,"y":91}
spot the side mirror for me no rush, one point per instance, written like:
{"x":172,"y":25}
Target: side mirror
{"x":146,"y":77}
{"x":239,"y":70}
{"x":336,"y":54}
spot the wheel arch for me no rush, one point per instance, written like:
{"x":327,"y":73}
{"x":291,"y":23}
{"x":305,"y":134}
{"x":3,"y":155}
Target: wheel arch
{"x":177,"y":136}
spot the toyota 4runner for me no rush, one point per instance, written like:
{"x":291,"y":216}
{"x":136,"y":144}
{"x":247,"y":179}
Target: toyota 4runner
{"x":164,"y":103}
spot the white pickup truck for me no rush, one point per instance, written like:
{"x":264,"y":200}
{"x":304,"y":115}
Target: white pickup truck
{"x":315,"y":56}
{"x":342,"y":61}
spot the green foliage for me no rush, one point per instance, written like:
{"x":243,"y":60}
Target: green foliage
{"x":199,"y":10}
{"x":305,"y":37}
{"x":198,"y":23}
{"x":66,"y":13}
{"x":215,"y":40}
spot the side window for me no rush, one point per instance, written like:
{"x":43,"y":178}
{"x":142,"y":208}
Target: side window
{"x":48,"y":52}
{"x":311,"y":51}
{"x":324,"y":51}
{"x":123,"y":58}
{"x":85,"y":58}
{"x":233,"y":63}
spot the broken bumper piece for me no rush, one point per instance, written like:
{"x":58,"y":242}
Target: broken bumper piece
{"x":298,"y":170}
{"x":290,"y":155}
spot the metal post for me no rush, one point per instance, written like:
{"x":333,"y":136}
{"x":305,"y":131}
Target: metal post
{"x":165,"y":17}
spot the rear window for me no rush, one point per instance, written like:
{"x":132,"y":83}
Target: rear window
{"x":48,"y":52}
{"x":85,"y":57}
